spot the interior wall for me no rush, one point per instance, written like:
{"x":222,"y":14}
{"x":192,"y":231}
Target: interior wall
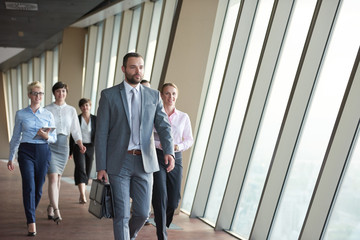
{"x":71,"y":72}
{"x":188,"y":59}
{"x":4,"y":141}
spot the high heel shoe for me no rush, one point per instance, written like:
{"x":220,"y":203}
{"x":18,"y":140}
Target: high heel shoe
{"x":31,"y":234}
{"x":50,"y":212}
{"x":82,"y":200}
{"x":57,"y":216}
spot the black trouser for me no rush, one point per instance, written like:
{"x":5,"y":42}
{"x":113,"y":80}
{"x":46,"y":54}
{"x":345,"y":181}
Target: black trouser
{"x":83,"y":163}
{"x":166,"y":193}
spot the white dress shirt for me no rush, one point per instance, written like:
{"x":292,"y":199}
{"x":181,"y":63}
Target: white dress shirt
{"x":128,"y":89}
{"x":181,"y":131}
{"x":66,"y":120}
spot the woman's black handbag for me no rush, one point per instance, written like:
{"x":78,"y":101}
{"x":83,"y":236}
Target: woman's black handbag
{"x":100,"y":200}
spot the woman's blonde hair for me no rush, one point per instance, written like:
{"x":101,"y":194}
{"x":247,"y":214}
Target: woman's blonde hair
{"x":167,"y":85}
{"x":35,"y":84}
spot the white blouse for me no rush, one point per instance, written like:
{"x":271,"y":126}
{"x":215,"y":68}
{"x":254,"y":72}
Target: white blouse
{"x":86,"y":130}
{"x":66,"y":120}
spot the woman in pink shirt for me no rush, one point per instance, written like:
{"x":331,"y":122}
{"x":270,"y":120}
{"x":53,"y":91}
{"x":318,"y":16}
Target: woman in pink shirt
{"x":167,"y":185}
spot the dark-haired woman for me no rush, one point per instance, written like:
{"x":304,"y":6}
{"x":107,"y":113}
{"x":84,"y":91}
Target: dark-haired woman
{"x":83,"y":162}
{"x":66,"y":123}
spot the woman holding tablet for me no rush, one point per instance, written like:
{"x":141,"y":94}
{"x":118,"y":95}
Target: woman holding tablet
{"x":31,"y":137}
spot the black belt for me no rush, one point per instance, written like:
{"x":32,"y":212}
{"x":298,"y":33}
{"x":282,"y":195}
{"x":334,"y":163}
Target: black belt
{"x":134,"y":152}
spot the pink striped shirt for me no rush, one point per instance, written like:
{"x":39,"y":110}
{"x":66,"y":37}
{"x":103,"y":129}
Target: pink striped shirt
{"x":180,"y":131}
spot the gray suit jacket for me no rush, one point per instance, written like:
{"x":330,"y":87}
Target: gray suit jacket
{"x":113,"y":129}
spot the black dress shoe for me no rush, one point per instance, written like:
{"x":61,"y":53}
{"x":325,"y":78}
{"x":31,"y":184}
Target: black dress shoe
{"x":31,"y":234}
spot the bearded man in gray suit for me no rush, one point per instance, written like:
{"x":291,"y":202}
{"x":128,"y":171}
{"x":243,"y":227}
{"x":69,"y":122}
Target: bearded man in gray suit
{"x":124,"y":145}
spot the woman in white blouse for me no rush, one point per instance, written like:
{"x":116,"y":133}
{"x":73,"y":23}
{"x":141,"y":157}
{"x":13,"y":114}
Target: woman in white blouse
{"x":83,"y":162}
{"x":66,"y":123}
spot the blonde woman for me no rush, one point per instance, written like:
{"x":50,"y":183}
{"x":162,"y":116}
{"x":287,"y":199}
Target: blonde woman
{"x":167,"y":185}
{"x":31,"y":138}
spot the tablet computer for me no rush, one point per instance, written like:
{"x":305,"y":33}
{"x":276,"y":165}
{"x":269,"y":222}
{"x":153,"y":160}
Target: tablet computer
{"x":45,"y":129}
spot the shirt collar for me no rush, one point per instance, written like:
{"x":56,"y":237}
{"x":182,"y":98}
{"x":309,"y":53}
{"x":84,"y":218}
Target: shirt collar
{"x":176,"y":112}
{"x":41,"y":109}
{"x":128,"y":87}
{"x":60,"y":106}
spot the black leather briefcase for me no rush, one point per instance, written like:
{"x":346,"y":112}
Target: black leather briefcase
{"x":100,"y":200}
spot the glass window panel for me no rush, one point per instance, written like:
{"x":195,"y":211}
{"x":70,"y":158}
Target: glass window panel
{"x":113,"y":51}
{"x":274,"y":110}
{"x":134,"y":29}
{"x":344,"y":220}
{"x":238,"y":110}
{"x":11,"y":110}
{"x":210,"y":104}
{"x":42,"y":73}
{"x":319,"y":123}
{"x":345,"y":217}
{"x":30,"y":69}
{"x":19,"y":87}
{"x":14,"y":89}
{"x":86,"y":46}
{"x":154,"y":30}
{"x":55,"y":64}
{"x":97,"y":65}
{"x":42,"y":69}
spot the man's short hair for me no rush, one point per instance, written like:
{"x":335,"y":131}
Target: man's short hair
{"x":129,"y":55}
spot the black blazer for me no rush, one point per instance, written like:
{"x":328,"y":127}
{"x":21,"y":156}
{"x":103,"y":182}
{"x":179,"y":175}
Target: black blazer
{"x":93,"y":130}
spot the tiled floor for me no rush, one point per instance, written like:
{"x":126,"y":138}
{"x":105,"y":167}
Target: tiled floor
{"x":77,"y":222}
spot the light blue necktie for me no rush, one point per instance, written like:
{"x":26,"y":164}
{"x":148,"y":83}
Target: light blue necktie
{"x":135,"y":116}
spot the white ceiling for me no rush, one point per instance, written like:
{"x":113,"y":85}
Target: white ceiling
{"x":8,"y":52}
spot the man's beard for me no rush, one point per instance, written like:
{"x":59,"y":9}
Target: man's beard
{"x":132,"y":79}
